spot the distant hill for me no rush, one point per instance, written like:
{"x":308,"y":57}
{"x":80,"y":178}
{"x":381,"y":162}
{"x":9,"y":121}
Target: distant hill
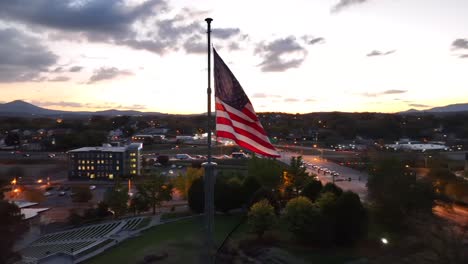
{"x":453,"y":108}
{"x":21,"y":108}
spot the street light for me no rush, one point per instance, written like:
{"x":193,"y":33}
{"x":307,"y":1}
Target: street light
{"x":384,"y":241}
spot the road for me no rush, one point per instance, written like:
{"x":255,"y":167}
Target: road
{"x":358,"y":179}
{"x":31,"y":155}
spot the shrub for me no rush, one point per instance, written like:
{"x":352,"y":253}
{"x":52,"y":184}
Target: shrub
{"x":312,"y":189}
{"x":196,"y":196}
{"x":303,"y":219}
{"x":261,"y":217}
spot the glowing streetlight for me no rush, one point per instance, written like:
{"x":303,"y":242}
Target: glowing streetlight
{"x":39,"y":181}
{"x":384,"y":241}
{"x":13,"y":182}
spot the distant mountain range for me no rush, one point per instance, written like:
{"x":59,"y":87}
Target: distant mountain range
{"x":448,"y":109}
{"x":19,"y":108}
{"x":23,"y":109}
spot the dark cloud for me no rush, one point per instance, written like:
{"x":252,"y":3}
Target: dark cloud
{"x":68,"y":104}
{"x":394,"y":91}
{"x":75,"y":69}
{"x":225,"y":33}
{"x":137,"y":25}
{"x":195,"y":45}
{"x":105,"y":73}
{"x":98,"y":16}
{"x":380,"y":53}
{"x":59,"y":103}
{"x":57,"y":69}
{"x":281,"y":54}
{"x":460,"y":44}
{"x":419,"y":105}
{"x":59,"y":79}
{"x":311,"y":40}
{"x":22,"y":58}
{"x":342,"y":4}
{"x":291,"y":100}
{"x":387,"y":92}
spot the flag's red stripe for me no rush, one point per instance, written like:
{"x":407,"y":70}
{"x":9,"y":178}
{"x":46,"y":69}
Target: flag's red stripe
{"x":249,"y":114}
{"x":239,"y":119}
{"x":225,"y":121}
{"x":243,"y":144}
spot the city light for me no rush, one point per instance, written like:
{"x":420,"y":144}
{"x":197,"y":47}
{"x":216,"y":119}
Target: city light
{"x":13,"y":182}
{"x":384,"y":241}
{"x":39,"y":181}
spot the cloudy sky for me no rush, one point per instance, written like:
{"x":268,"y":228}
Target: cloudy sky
{"x":290,"y":56}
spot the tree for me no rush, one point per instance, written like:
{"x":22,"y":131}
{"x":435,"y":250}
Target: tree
{"x":74,"y":218}
{"x":351,"y":219}
{"x":139,"y":203}
{"x":296,"y":176}
{"x":3,"y":187}
{"x":156,"y":190}
{"x":396,"y":194}
{"x":267,"y":172}
{"x":271,"y":196}
{"x":303,"y":219}
{"x":196,"y":196}
{"x":183,"y":181}
{"x":227,"y":194}
{"x":12,"y":139}
{"x":312,"y":189}
{"x":12,"y":227}
{"x":81,"y":194}
{"x":102,"y":210}
{"x":117,"y":198}
{"x":261,"y":217}
{"x":330,"y":187}
{"x":249,"y":186}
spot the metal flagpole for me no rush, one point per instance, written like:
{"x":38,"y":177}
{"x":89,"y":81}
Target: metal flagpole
{"x":209,"y":170}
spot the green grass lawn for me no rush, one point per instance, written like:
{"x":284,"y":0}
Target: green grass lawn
{"x":182,"y":241}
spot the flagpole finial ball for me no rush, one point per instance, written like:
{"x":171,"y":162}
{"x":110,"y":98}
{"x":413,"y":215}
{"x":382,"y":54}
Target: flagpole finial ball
{"x":208,"y":20}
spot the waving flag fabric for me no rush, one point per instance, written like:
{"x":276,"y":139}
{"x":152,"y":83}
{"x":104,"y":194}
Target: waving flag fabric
{"x":235,"y":116}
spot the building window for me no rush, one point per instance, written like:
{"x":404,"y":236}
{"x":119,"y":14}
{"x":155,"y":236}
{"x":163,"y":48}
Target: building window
{"x":117,"y":167}
{"x":133,"y":166}
{"x":132,"y":154}
{"x":133,"y":172}
{"x":111,"y":176}
{"x":79,"y":167}
{"x":92,"y":176}
{"x":133,"y":160}
{"x":117,"y":161}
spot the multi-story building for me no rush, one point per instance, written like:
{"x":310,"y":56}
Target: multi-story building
{"x":105,"y":162}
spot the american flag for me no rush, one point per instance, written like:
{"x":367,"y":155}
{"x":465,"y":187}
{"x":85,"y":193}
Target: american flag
{"x":235,"y":116}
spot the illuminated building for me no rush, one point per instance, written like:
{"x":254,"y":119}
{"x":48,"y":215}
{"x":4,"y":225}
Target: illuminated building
{"x":105,"y":162}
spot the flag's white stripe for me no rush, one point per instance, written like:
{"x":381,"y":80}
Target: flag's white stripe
{"x":247,"y":140}
{"x":245,"y":127}
{"x":234,"y":111}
